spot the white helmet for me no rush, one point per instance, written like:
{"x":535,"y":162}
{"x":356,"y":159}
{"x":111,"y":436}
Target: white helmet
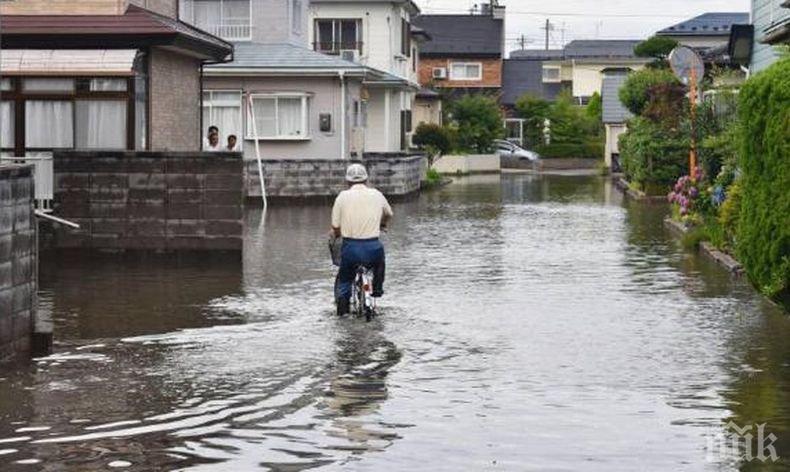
{"x":356,"y":173}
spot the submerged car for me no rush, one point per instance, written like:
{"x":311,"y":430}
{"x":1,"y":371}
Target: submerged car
{"x":512,"y":151}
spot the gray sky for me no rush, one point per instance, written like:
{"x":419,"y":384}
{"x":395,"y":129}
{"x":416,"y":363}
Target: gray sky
{"x":588,"y":19}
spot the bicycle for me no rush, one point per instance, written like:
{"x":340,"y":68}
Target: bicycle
{"x":362,"y":301}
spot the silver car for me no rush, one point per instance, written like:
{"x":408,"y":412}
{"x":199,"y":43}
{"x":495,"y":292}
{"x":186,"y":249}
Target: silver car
{"x":511,"y":151}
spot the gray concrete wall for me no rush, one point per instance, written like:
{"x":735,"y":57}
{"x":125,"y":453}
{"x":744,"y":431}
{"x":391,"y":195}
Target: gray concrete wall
{"x":18,"y":260}
{"x":316,"y":178}
{"x":149,"y":201}
{"x":175,"y":102}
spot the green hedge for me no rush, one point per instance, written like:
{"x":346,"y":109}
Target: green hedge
{"x":652,"y":155}
{"x":592,"y":149}
{"x":763,"y":236}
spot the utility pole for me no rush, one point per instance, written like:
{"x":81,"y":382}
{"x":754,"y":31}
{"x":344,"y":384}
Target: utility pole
{"x":548,"y":29}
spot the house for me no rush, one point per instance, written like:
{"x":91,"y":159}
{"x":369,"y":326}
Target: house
{"x":771,"y":20}
{"x":101,"y":75}
{"x":578,"y":67}
{"x":706,"y":31}
{"x":522,"y":74}
{"x":378,"y":35}
{"x":614,"y":114}
{"x":296,"y":102}
{"x":465,"y":52}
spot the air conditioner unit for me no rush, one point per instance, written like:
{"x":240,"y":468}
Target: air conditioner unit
{"x":351,"y":55}
{"x":439,"y":73}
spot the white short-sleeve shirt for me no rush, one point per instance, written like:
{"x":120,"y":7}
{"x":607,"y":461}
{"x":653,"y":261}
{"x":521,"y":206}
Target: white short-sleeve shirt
{"x":358,"y":212}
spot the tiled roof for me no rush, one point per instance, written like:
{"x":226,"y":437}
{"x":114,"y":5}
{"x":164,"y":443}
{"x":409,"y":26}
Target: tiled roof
{"x":282,"y":56}
{"x":583,"y":48}
{"x":707,"y":24}
{"x":135,"y":26}
{"x":469,"y":35}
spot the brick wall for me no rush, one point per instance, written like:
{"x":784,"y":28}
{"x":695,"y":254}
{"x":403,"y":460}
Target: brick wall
{"x":312,"y":178}
{"x":18,"y":260}
{"x":62,"y":7}
{"x":175,"y":102}
{"x":149,"y":200}
{"x":492,"y":73}
{"x":163,"y":7}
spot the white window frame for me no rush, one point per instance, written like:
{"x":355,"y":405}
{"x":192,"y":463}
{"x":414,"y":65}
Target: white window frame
{"x":305,"y":97}
{"x":186,"y":12}
{"x":239,"y":140}
{"x":479,"y":66}
{"x":550,"y":80}
{"x":296,"y":14}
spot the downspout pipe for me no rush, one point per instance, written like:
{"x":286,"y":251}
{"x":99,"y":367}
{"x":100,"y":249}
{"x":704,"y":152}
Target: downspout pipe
{"x":342,"y":75}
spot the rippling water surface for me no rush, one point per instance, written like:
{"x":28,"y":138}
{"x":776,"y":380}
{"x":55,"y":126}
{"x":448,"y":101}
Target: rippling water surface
{"x":530,"y":323}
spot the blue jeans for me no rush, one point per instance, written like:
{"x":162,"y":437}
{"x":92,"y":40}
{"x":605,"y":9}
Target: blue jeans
{"x":355,"y":252}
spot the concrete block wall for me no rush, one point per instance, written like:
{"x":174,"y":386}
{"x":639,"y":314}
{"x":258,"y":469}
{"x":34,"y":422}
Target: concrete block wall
{"x":311,"y":178}
{"x":149,"y":201}
{"x":18,"y":260}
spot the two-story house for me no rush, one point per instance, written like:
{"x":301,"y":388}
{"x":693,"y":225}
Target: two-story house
{"x":104,"y":74}
{"x":771,"y":20}
{"x":376,"y":34}
{"x":707,"y":31}
{"x":465,"y":52}
{"x":295,"y":102}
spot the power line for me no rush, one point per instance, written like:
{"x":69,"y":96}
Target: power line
{"x":587,"y":15}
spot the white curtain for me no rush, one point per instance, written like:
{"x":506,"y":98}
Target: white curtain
{"x":265,"y":117}
{"x":6,"y":124}
{"x":101,"y":124}
{"x":48,"y":85}
{"x":49,"y":124}
{"x":290,"y":117}
{"x":236,"y":12}
{"x":207,"y":14}
{"x":108,"y":85}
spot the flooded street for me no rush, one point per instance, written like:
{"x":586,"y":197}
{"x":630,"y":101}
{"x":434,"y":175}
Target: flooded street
{"x":530,"y":323}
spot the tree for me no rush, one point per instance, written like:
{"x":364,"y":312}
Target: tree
{"x":433,"y":139}
{"x":657,"y":47}
{"x":635,"y":92}
{"x":594,"y":109}
{"x":534,"y":110}
{"x":478,"y":120}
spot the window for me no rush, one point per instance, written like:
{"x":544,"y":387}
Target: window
{"x":405,"y":40}
{"x":551,"y":74}
{"x":466,"y":71}
{"x":101,"y":124}
{"x":278,"y":117}
{"x":228,"y":19}
{"x":223,"y":110}
{"x":332,"y":36}
{"x":6,"y":85}
{"x":39,"y":114}
{"x":49,"y":124}
{"x":6,"y":124}
{"x":360,"y":119}
{"x":296,"y":16}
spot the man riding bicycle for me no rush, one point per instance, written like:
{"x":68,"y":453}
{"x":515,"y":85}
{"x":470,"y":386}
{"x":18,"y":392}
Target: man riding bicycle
{"x":358,"y":215}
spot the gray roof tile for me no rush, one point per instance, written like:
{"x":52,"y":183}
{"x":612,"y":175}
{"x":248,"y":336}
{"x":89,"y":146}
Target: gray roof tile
{"x":707,"y":24}
{"x":479,"y":35}
{"x":282,"y":56}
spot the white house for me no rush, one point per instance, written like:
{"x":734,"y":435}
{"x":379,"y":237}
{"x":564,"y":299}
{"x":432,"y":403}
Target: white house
{"x":378,"y":35}
{"x":771,"y":20}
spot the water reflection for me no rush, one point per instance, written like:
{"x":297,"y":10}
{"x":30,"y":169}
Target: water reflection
{"x":531,"y":323}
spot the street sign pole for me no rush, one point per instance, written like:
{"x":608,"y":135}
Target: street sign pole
{"x":693,"y":105}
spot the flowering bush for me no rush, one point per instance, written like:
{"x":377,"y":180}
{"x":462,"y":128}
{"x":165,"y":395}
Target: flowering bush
{"x":690,"y":199}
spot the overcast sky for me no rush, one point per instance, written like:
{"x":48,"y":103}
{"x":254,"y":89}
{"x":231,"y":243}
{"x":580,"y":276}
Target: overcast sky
{"x":588,"y":19}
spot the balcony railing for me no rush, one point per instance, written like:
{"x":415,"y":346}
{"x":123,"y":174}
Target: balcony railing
{"x":334,"y":47}
{"x":229,"y":32}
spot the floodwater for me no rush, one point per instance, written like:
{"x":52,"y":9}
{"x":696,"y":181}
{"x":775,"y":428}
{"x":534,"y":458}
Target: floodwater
{"x":530,"y":323}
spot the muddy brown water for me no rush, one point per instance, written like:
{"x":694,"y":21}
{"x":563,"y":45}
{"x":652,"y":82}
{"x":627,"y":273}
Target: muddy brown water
{"x":530,"y":323}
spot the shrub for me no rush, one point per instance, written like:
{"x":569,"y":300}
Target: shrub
{"x":594,"y":108}
{"x":590,"y":149}
{"x":634,"y":92}
{"x":478,"y":121}
{"x":729,"y":214}
{"x":534,"y":110}
{"x":652,"y":155}
{"x":432,"y":137}
{"x":657,"y":47}
{"x":763,"y":235}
